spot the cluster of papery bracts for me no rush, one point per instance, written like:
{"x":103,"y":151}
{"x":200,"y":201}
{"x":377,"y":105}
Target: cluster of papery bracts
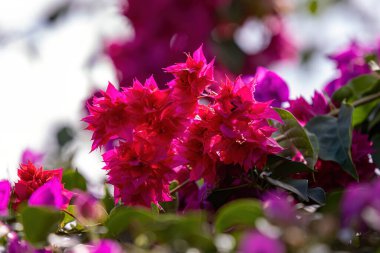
{"x":37,"y":187}
{"x":198,"y":124}
{"x":195,"y":125}
{"x":160,"y":43}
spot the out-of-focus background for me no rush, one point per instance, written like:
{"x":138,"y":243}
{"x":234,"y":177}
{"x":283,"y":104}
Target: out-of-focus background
{"x":55,"y":53}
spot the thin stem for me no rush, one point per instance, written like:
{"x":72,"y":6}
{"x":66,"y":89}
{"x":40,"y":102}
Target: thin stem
{"x":280,"y":138}
{"x":359,"y":102}
{"x":233,"y":187}
{"x":175,"y":189}
{"x":72,"y":215}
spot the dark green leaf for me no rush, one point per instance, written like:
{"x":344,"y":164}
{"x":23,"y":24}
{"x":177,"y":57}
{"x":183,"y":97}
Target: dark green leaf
{"x":376,"y":146}
{"x":298,"y":187}
{"x":65,"y":135}
{"x":375,"y":118}
{"x":334,"y":137}
{"x":297,"y":136}
{"x":283,"y":168}
{"x":314,"y":141}
{"x":318,"y":195}
{"x":238,"y":214}
{"x":72,"y":179}
{"x":39,"y":222}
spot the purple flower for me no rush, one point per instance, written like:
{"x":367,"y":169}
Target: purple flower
{"x":354,"y":200}
{"x":88,"y":209}
{"x":51,"y":194}
{"x":278,"y":208}
{"x":106,"y":246}
{"x":5,"y":194}
{"x":158,"y":44}
{"x":350,"y":64}
{"x":15,"y":245}
{"x":360,"y":206}
{"x":256,"y":242}
{"x":29,"y":155}
{"x":270,"y":86}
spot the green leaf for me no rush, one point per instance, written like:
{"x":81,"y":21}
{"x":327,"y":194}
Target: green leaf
{"x":362,"y":112}
{"x":332,"y":204}
{"x":297,"y":135}
{"x":282,"y":167}
{"x":238,"y":214}
{"x":171,"y":228}
{"x":334,"y":137}
{"x":39,"y":222}
{"x":72,"y":179}
{"x":132,"y":219}
{"x":298,"y":187}
{"x":356,"y":88}
{"x":108,"y":201}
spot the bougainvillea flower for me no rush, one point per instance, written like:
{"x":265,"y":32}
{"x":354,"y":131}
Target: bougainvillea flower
{"x":163,"y":42}
{"x":270,"y":86}
{"x":108,"y":117}
{"x":17,"y":245}
{"x":360,"y":206}
{"x":88,"y":209}
{"x":5,"y":194}
{"x":51,"y":194}
{"x":191,"y":77}
{"x":196,"y":147}
{"x":106,"y":246}
{"x":355,"y":199}
{"x":170,"y":129}
{"x":32,"y":178}
{"x":32,"y":156}
{"x":244,"y":133}
{"x":303,"y":111}
{"x":151,"y":110}
{"x":160,"y":43}
{"x":351,"y":63}
{"x":256,"y":242}
{"x":278,"y":208}
{"x":138,"y":174}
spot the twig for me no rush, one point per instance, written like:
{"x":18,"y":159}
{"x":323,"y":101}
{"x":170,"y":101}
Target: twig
{"x":233,"y":187}
{"x":358,"y":102}
{"x":175,"y":189}
{"x":72,"y":215}
{"x":280,"y":138}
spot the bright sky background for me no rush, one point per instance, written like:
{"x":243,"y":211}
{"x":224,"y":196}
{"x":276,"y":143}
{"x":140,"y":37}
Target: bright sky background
{"x":44,"y":81}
